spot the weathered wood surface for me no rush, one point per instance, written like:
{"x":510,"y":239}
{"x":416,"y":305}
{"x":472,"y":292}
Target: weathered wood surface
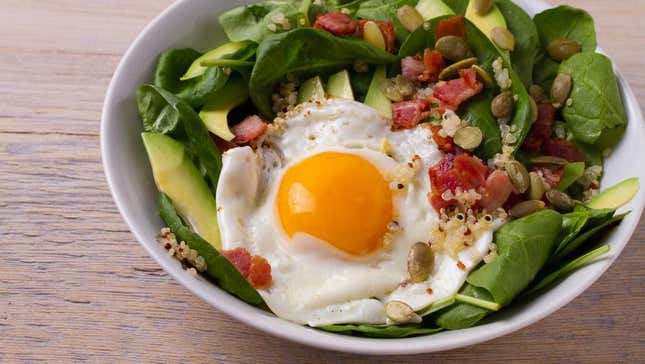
{"x":74,"y":285}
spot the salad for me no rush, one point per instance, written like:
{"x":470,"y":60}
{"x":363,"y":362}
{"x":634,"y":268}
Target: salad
{"x":386,"y":168}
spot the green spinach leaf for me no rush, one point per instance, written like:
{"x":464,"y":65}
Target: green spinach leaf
{"x":572,"y":171}
{"x":579,"y":240}
{"x":158,"y":111}
{"x":463,"y":315}
{"x":545,"y":71}
{"x":458,"y":6}
{"x":527,"y":40}
{"x":252,"y":22}
{"x":597,"y":113}
{"x":385,"y":10}
{"x":566,"y":22}
{"x":477,"y":112}
{"x":218,"y":268}
{"x":381,"y":331}
{"x":305,"y":52}
{"x":172,"y":65}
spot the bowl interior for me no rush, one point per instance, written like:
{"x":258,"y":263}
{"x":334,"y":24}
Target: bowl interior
{"x":193,"y":23}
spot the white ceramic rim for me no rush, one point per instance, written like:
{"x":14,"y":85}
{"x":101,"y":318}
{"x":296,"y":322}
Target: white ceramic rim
{"x":268,"y":323}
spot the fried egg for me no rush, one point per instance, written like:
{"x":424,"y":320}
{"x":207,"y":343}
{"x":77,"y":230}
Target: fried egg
{"x":334,"y":199}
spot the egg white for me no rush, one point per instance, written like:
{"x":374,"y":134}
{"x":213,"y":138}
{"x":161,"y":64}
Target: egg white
{"x":313,"y":282}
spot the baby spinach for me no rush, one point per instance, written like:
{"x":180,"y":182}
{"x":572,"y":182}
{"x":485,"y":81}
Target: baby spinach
{"x":463,"y":315}
{"x":572,"y":171}
{"x":458,"y":6}
{"x":566,"y":22}
{"x":578,"y":220}
{"x":545,"y":71}
{"x":163,"y":112}
{"x":252,"y":22}
{"x":579,"y":240}
{"x":385,"y":10}
{"x":596,"y":114}
{"x":172,"y":65}
{"x":527,"y":40}
{"x":381,"y":331}
{"x":477,"y":112}
{"x":218,"y":268}
{"x":305,"y":52}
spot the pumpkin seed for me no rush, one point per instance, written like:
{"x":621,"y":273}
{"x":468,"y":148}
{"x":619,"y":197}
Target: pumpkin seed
{"x":469,"y":137}
{"x":401,"y":313}
{"x":502,"y":105}
{"x":389,"y":89}
{"x":545,"y":159}
{"x":519,"y":176}
{"x":562,"y":48}
{"x":453,"y":48}
{"x":538,"y":94}
{"x":452,"y":71}
{"x":483,"y":75}
{"x":534,"y":109}
{"x":560,"y":200}
{"x":420,"y":262}
{"x":409,"y":17}
{"x":526,"y":208}
{"x":537,"y":189}
{"x":503,"y":38}
{"x":482,"y":7}
{"x":372,"y":34}
{"x":560,"y":90}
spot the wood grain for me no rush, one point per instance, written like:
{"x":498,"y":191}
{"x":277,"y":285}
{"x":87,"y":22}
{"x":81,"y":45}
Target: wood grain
{"x":75,"y":286}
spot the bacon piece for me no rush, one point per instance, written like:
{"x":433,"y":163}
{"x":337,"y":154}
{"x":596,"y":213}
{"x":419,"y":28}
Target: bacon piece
{"x":453,"y":172}
{"x":455,"y":25}
{"x":407,"y":114}
{"x":445,"y":144}
{"x":412,"y":68}
{"x":563,"y":149}
{"x":336,"y":23}
{"x":452,"y":93}
{"x":541,"y":130}
{"x":434,"y":63}
{"x":249,"y":129}
{"x":259,"y":273}
{"x":240,"y":258}
{"x":387,"y":29}
{"x":496,"y":191}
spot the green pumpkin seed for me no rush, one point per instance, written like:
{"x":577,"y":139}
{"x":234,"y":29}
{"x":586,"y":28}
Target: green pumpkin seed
{"x":537,"y":189}
{"x":482,"y":7}
{"x":484,"y":76}
{"x":453,"y":48}
{"x":549,"y":160}
{"x":389,"y":89}
{"x":562,"y":48}
{"x":560,"y":200}
{"x":409,"y":17}
{"x":401,"y":313}
{"x":518,"y":175}
{"x":420,"y":262}
{"x":452,"y":71}
{"x":469,"y":137}
{"x":502,"y":105}
{"x":538,"y":93}
{"x":534,"y":109}
{"x":561,"y":89}
{"x":526,"y":208}
{"x":503,"y":38}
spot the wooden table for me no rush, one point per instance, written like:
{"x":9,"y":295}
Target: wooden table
{"x":75,"y":285}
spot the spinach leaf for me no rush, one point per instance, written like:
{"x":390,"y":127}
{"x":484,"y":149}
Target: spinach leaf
{"x":566,"y":22}
{"x":575,"y":222}
{"x":163,"y":112}
{"x":527,"y":40}
{"x":218,"y":268}
{"x":251,"y":22}
{"x":524,"y":245}
{"x":477,"y":112}
{"x":385,"y":10}
{"x":566,"y":249}
{"x":572,"y":171}
{"x":597,"y":114}
{"x":567,"y":268}
{"x":322,"y":7}
{"x":305,"y":52}
{"x":172,"y":65}
{"x":463,"y":315}
{"x":458,"y":6}
{"x":381,"y":331}
{"x":545,"y":71}
{"x":486,"y":53}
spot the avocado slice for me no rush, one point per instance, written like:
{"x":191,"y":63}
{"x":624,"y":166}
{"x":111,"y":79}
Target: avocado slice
{"x":216,"y":108}
{"x":196,"y":69}
{"x":176,"y":176}
{"x":339,"y":85}
{"x":311,"y":90}
{"x":486,"y":22}
{"x":433,"y":8}
{"x":375,"y":97}
{"x":616,"y":195}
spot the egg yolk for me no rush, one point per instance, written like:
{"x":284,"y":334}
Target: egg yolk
{"x":340,"y":198}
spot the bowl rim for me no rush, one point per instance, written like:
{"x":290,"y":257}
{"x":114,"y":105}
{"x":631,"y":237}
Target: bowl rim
{"x":273,"y":325}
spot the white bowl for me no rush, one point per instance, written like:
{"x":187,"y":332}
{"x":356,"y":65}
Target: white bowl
{"x":193,"y":23}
